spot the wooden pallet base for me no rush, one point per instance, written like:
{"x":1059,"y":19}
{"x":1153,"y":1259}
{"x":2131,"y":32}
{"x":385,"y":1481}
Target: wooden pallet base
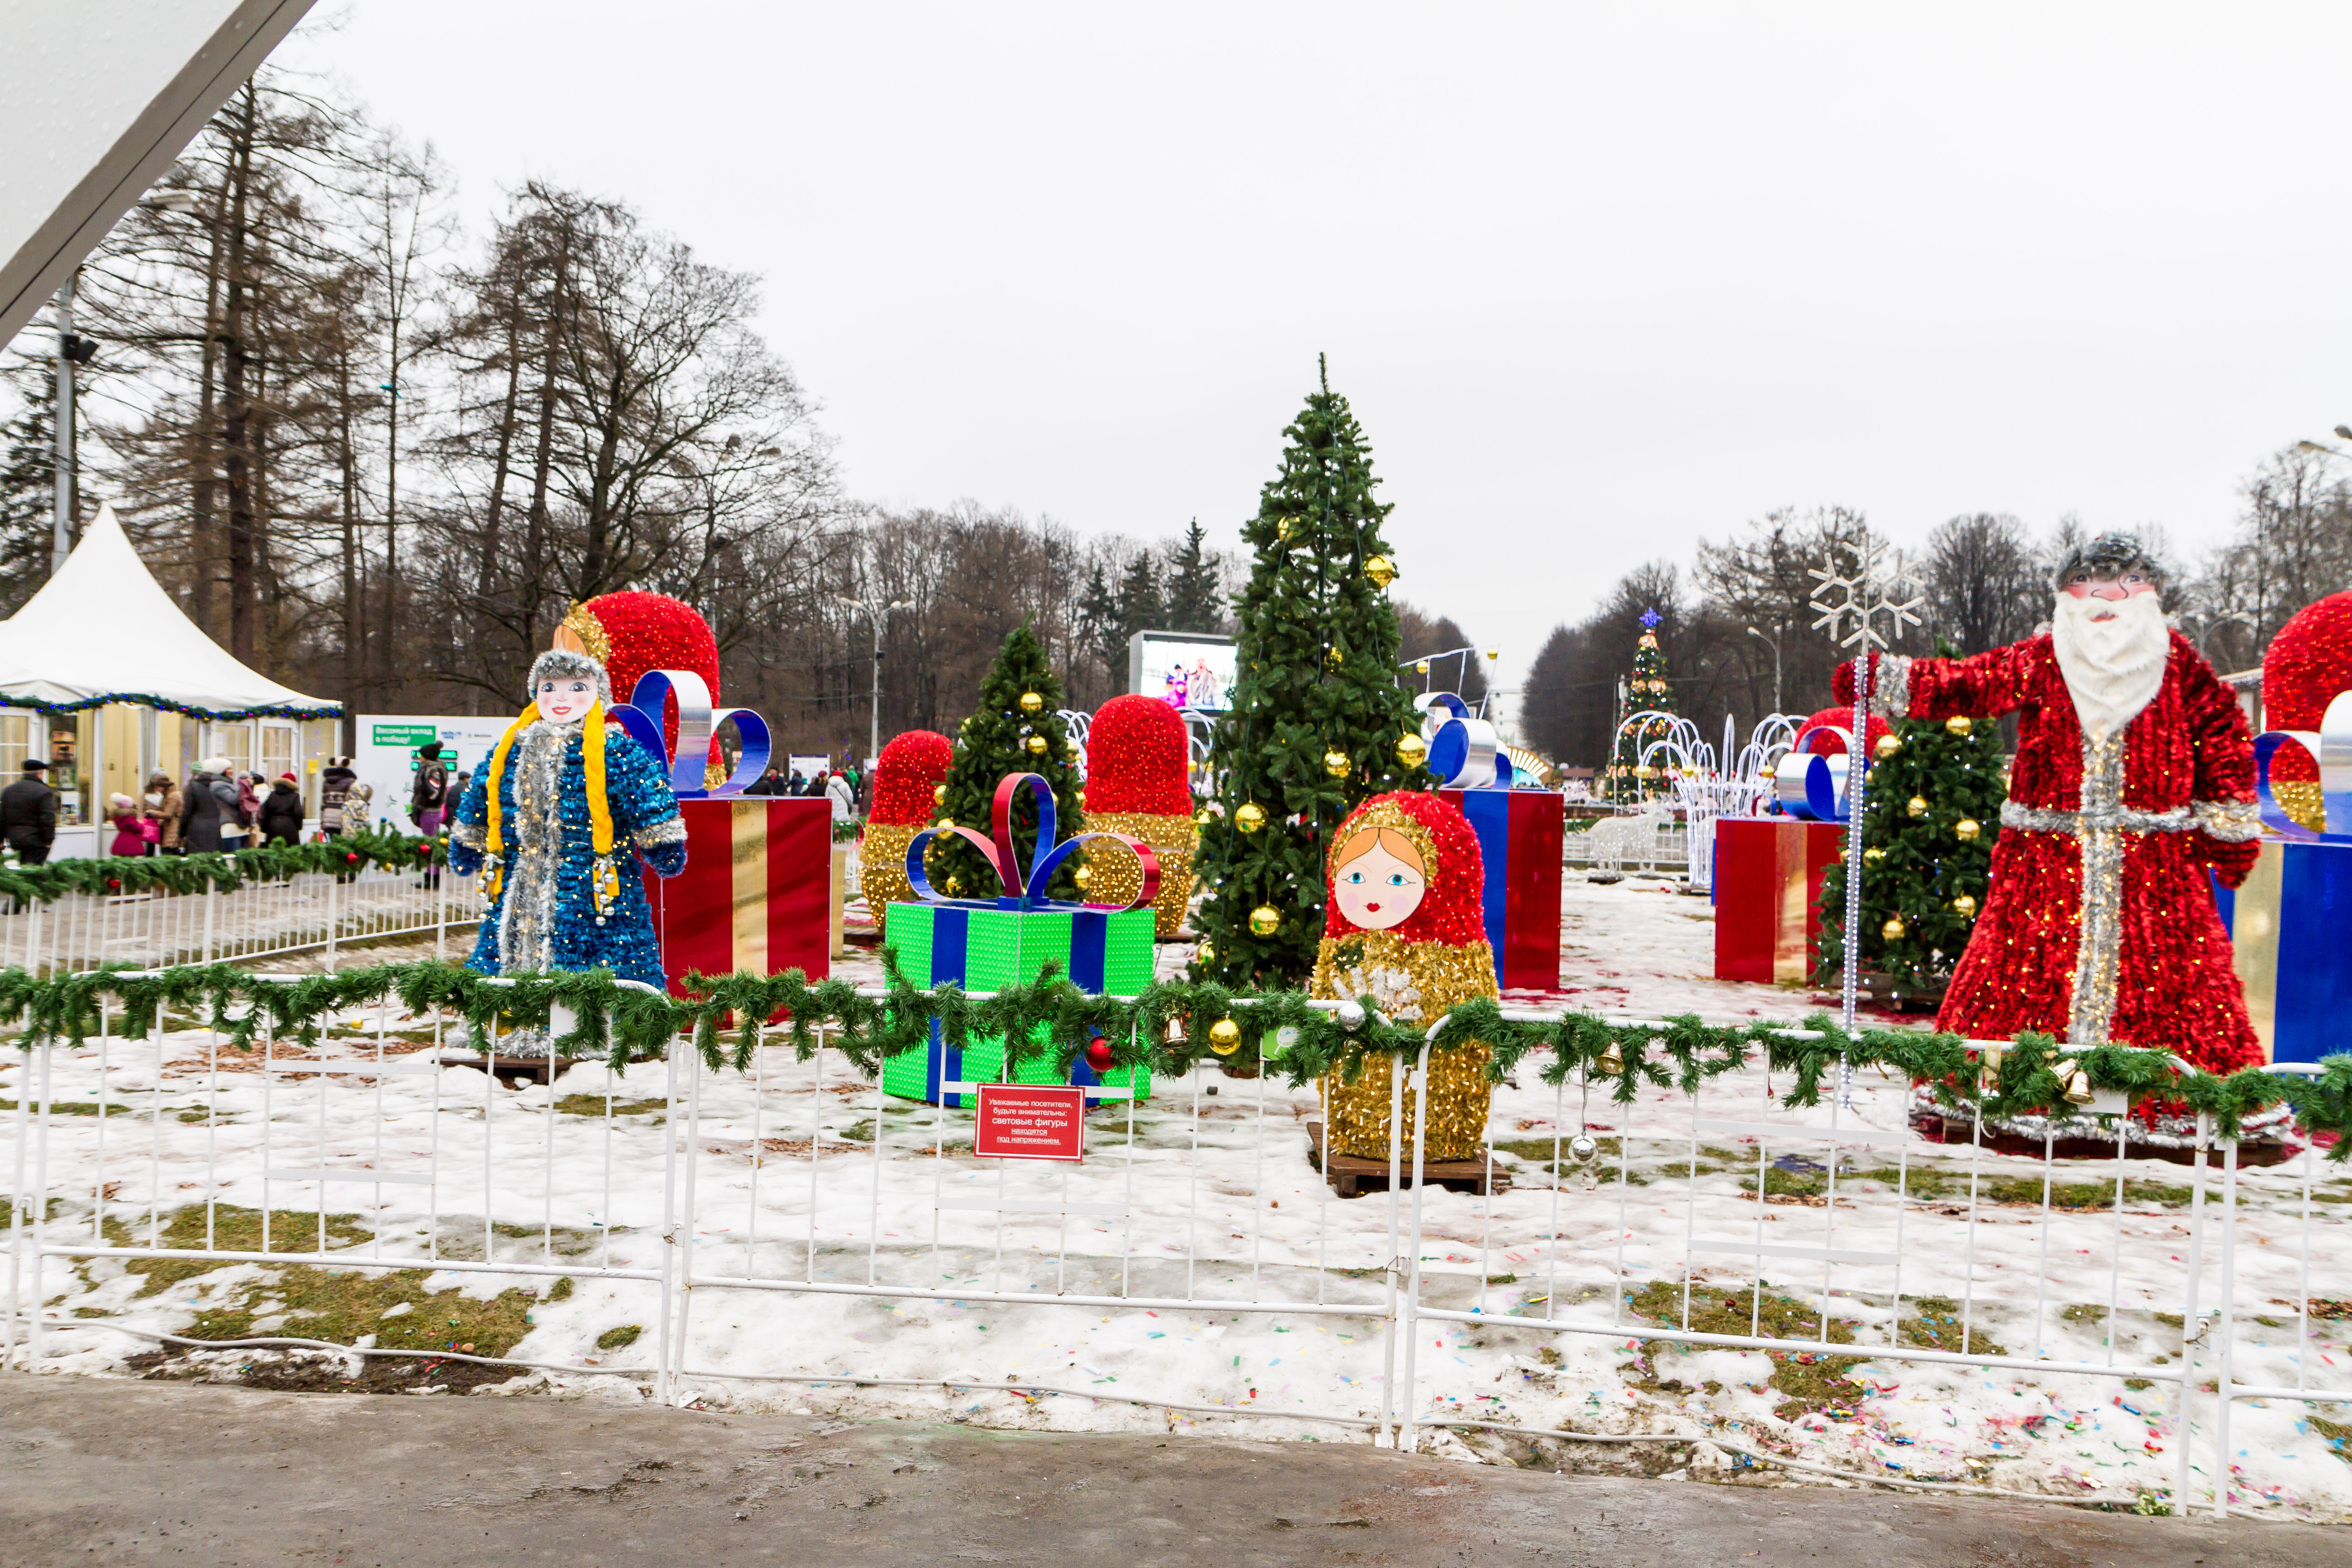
{"x":513,"y":1072}
{"x":1352,"y":1177}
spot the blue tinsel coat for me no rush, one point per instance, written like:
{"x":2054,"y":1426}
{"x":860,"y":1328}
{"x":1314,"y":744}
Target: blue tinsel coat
{"x":645,"y":815}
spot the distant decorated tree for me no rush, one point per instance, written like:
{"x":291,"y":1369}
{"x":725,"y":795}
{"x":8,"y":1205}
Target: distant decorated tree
{"x":1646,"y":689}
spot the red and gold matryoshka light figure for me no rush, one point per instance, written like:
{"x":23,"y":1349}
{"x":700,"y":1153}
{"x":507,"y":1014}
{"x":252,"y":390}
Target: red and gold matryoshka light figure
{"x":907,"y":777}
{"x":1402,"y":927}
{"x":1139,"y":784}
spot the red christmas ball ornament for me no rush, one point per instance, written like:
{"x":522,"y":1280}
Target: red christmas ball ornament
{"x":2305,"y":667}
{"x":1099,"y":1054}
{"x":1822,"y":743}
{"x":1136,"y":752}
{"x":114,"y":882}
{"x":910,"y":767}
{"x":352,"y":856}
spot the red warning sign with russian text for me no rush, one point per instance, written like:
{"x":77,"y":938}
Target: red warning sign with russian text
{"x":1030,"y":1122}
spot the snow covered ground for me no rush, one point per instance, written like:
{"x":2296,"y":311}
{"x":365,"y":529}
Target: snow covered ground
{"x":1235,"y":1265}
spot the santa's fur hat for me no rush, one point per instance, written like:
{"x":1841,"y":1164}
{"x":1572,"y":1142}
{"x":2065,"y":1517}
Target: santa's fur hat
{"x":2106,"y":555}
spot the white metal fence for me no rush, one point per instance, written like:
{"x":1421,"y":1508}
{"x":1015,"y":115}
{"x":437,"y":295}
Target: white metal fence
{"x":157,"y":928}
{"x":762,"y":1223}
{"x":1665,"y":850}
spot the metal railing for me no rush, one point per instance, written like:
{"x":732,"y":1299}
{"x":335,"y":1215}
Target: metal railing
{"x":1843,"y":1245}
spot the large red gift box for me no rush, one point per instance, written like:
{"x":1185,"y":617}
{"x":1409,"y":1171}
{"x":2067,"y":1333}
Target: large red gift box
{"x":753,"y":896}
{"x":1519,"y":843}
{"x":1768,"y":892}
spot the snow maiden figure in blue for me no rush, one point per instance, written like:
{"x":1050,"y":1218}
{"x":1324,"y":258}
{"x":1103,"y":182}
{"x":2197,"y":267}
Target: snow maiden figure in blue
{"x":568,"y":803}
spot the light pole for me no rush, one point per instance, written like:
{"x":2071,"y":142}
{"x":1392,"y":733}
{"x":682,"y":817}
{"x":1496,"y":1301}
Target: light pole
{"x":874,"y":703}
{"x":72,"y":350}
{"x":1776,"y":665}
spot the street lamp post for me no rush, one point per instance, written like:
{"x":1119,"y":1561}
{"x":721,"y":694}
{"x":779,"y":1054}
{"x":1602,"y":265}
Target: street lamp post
{"x":1776,"y":665}
{"x":874,"y":614}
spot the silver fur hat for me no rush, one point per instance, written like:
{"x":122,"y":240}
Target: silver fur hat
{"x":559,"y":664}
{"x":2118,"y":551}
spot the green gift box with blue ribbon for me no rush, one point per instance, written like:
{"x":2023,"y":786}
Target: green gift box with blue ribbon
{"x":986,"y":945}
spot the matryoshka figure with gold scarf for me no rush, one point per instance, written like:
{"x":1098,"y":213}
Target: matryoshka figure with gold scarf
{"x":1402,"y":927}
{"x":556,"y":824}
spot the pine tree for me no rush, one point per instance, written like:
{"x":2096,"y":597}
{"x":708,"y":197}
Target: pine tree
{"x":1139,"y":609}
{"x":1646,"y":689}
{"x":1098,"y":623}
{"x":1196,"y":600}
{"x":1931,"y":813}
{"x":1317,"y":710}
{"x":1020,"y":700}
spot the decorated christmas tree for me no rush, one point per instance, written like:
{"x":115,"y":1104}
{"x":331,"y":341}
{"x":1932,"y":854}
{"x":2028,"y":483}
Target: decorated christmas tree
{"x":1931,"y":813}
{"x":1646,"y":689}
{"x":1319,"y":722}
{"x":1015,"y":730}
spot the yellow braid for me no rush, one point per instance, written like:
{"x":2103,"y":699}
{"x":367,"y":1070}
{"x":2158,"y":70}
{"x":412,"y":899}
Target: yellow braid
{"x":592,"y":761}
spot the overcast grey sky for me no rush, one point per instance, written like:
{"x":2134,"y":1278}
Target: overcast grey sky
{"x":1598,"y":281}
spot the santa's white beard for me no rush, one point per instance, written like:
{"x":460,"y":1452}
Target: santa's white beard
{"x":2114,"y":667}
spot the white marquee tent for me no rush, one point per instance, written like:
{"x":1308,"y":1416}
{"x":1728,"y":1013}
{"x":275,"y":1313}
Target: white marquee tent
{"x":102,"y":638}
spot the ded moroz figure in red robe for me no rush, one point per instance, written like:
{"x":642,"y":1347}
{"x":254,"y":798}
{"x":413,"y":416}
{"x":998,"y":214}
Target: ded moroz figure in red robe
{"x":2134,"y":775}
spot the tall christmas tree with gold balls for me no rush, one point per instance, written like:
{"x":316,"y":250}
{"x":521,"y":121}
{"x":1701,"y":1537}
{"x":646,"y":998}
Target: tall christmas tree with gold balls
{"x":1320,"y":721}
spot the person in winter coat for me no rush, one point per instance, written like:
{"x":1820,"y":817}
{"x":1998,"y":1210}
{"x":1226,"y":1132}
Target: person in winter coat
{"x":28,"y":815}
{"x":133,"y":834}
{"x":280,"y":816}
{"x":842,"y":794}
{"x":162,"y":805}
{"x":208,"y":811}
{"x":335,"y":783}
{"x":428,"y":802}
{"x":358,"y":803}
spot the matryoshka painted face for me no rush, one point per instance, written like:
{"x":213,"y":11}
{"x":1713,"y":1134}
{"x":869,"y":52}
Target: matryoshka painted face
{"x":1379,"y":879}
{"x":564,"y":698}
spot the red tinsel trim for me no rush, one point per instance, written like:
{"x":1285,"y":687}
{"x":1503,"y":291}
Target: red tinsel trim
{"x":1829,"y":745}
{"x":1451,"y":911}
{"x":653,"y":631}
{"x":910,"y":767}
{"x":2306,"y":665}
{"x":1136,"y":753}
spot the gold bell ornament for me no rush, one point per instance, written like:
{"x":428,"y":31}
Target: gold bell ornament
{"x":1224,"y":1037}
{"x":1032,"y":703}
{"x":1612,"y":1061}
{"x":1959,"y":725}
{"x":2075,"y":1083}
{"x":1176,"y":1030}
{"x":1265,"y":921}
{"x":1250,"y":818}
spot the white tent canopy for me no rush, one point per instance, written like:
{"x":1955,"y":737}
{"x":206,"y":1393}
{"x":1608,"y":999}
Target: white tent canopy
{"x":104,"y":630}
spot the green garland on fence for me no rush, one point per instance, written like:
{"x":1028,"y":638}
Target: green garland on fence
{"x":114,"y":874}
{"x":1053,"y":1020}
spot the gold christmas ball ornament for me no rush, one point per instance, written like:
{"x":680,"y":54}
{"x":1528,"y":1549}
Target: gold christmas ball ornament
{"x":1073,"y":747}
{"x":1224,"y":1037}
{"x":1894,"y":929}
{"x":945,"y":824}
{"x":1959,"y":725}
{"x":1036,"y":743}
{"x":1250,"y":818}
{"x":1336,"y":763}
{"x":1873,"y":855}
{"x":1381,"y":570}
{"x":1966,"y":828}
{"x":1032,"y":703}
{"x":1420,"y":667}
{"x":1265,"y":921}
{"x":1887,"y":747}
{"x":1411,"y":749}
{"x":1203,"y":817}
{"x":1493,"y":654}
{"x":1916,"y":806}
{"x":1645,"y":771}
{"x":1965,"y":906}
{"x":1083,"y":875}
{"x":1206,"y":954}
{"x":954,"y":886}
{"x":940,"y":795}
{"x":1333,"y":658}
